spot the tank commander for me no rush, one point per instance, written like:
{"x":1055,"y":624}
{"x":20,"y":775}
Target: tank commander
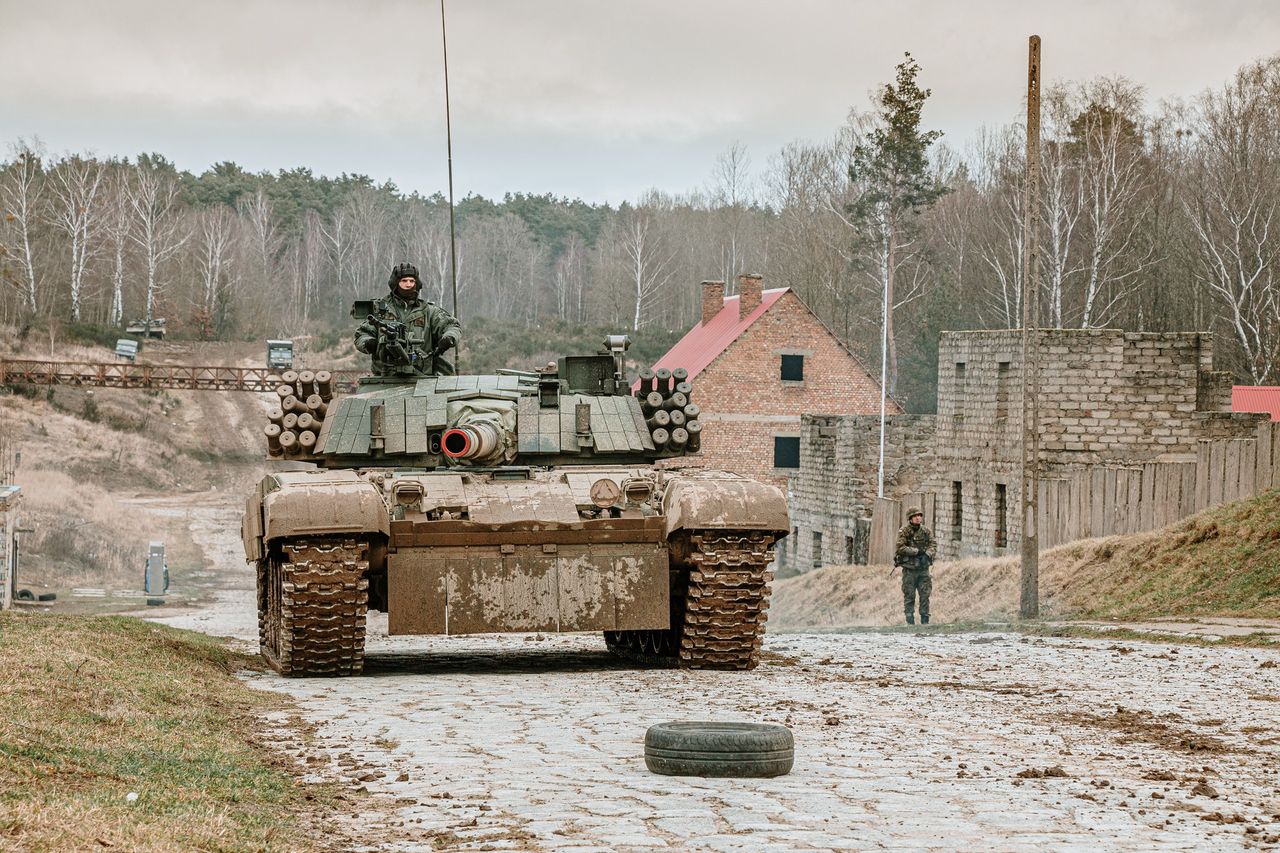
{"x":408,"y":336}
{"x":914,"y":554}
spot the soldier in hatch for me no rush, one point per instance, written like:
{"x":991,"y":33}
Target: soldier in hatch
{"x":429,"y":331}
{"x":915,"y":552}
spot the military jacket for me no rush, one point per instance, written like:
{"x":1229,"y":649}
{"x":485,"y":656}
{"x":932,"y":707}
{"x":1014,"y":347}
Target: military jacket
{"x":426,"y":325}
{"x":911,"y":536}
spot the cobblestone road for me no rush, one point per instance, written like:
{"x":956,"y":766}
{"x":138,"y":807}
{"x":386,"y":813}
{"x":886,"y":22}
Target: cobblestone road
{"x":902,"y":741}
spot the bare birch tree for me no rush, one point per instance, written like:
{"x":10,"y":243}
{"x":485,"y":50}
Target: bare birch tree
{"x":21,"y":191}
{"x":159,"y":230}
{"x":76,"y":183}
{"x":1232,"y":202}
{"x":215,"y":230}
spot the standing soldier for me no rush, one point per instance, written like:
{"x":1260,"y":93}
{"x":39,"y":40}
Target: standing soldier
{"x":428,"y":331}
{"x":914,"y":553}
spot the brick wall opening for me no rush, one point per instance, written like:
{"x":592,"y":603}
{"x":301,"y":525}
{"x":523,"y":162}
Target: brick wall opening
{"x":959,"y":392}
{"x":957,"y":510}
{"x":817,"y":549}
{"x":1002,"y":391}
{"x":1002,"y":516}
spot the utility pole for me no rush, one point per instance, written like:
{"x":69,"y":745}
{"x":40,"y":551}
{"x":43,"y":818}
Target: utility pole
{"x":1029,"y":606}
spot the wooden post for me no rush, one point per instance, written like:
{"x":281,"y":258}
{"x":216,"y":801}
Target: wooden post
{"x":1029,"y":606}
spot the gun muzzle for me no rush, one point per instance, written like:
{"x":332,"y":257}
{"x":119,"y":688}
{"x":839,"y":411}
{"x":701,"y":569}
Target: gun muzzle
{"x":470,"y":441}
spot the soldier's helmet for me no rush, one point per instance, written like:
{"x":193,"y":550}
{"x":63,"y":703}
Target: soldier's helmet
{"x":913,"y":512}
{"x":400,"y":271}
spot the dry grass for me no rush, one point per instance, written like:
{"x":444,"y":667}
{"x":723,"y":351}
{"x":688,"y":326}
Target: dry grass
{"x":97,"y":708}
{"x":1222,"y":562}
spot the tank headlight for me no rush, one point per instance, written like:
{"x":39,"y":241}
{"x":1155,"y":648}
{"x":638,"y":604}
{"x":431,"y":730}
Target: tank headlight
{"x":407,"y":492}
{"x":605,"y":492}
{"x":637,"y":491}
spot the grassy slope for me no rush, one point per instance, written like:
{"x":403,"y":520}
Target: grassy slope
{"x":96,"y":708}
{"x":1222,"y":562}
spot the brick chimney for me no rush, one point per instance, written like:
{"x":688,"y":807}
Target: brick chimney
{"x":712,"y":299}
{"x":750,"y":288}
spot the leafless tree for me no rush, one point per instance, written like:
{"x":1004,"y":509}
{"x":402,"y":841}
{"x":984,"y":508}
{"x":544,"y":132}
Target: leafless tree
{"x":1232,"y":202}
{"x":21,"y":191}
{"x":650,"y":262}
{"x":118,"y":224}
{"x":571,"y":280}
{"x":76,"y":182}
{"x":215,"y":231}
{"x":159,"y":228}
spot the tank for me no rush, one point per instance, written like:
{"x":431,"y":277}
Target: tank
{"x":560,"y":499}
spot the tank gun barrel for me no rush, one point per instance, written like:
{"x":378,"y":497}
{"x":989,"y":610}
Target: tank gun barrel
{"x":471,"y":441}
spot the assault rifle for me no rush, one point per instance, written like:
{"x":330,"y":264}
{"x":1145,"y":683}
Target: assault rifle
{"x":393,"y":336}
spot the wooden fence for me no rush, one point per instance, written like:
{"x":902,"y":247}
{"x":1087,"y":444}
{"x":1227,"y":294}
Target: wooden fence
{"x":1109,"y":500}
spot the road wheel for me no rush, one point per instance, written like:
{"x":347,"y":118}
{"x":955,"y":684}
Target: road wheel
{"x":721,"y":750}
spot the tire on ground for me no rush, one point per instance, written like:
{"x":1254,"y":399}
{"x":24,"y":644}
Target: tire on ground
{"x":25,"y":595}
{"x":723,"y":750}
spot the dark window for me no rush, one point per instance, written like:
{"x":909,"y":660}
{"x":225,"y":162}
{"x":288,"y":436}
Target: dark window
{"x":960,"y":391}
{"x":848,"y":550}
{"x":786,"y":451}
{"x":817,"y":549}
{"x":957,"y":510}
{"x":793,"y":368}
{"x":1002,"y":391}
{"x":1002,"y":516}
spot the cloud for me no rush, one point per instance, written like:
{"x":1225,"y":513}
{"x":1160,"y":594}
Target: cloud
{"x":568,"y":96}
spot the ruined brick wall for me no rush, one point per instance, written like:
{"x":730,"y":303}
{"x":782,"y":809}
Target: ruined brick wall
{"x":746,"y":403}
{"x":1106,"y":397}
{"x":837,"y":481}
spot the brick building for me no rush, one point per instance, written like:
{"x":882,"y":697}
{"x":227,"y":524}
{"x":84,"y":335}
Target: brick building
{"x":757,"y":361}
{"x":1107,"y":397}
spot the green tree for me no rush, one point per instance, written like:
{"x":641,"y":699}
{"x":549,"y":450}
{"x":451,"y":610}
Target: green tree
{"x":890,"y":168}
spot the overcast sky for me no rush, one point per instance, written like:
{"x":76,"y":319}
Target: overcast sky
{"x":599,"y":99}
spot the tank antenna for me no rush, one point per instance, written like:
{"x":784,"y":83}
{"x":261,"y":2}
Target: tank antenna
{"x":448,"y":130}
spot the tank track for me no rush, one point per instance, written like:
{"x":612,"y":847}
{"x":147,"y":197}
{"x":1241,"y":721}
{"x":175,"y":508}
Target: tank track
{"x":312,"y":601}
{"x":719,"y":604}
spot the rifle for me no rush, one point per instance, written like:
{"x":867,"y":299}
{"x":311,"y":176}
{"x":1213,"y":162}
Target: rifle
{"x":393,"y":339}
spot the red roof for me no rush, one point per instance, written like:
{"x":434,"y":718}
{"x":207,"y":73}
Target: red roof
{"x":702,"y":344}
{"x":1256,"y":398}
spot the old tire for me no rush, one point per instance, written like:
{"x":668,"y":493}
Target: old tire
{"x":47,"y":596}
{"x":25,"y":595}
{"x":720,"y":750}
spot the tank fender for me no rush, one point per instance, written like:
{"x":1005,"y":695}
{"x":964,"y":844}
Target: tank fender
{"x":251,"y":524}
{"x":724,"y":501}
{"x":321,"y":503}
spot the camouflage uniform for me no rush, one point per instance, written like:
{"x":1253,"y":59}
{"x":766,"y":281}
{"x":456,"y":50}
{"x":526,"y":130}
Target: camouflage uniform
{"x":428,"y":327}
{"x":914,"y":553}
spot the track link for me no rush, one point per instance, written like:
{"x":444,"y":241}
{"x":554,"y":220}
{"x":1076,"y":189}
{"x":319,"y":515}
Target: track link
{"x":719,"y":604}
{"x":313,"y":597}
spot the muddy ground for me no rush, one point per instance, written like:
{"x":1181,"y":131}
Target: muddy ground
{"x":987,"y":740}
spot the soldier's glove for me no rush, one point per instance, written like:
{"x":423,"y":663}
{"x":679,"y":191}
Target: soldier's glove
{"x":444,"y":345}
{"x":910,"y":552}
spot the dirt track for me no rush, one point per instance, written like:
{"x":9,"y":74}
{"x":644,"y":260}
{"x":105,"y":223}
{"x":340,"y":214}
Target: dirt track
{"x":903,"y":741}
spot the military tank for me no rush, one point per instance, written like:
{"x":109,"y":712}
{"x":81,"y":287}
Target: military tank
{"x":546,"y":500}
